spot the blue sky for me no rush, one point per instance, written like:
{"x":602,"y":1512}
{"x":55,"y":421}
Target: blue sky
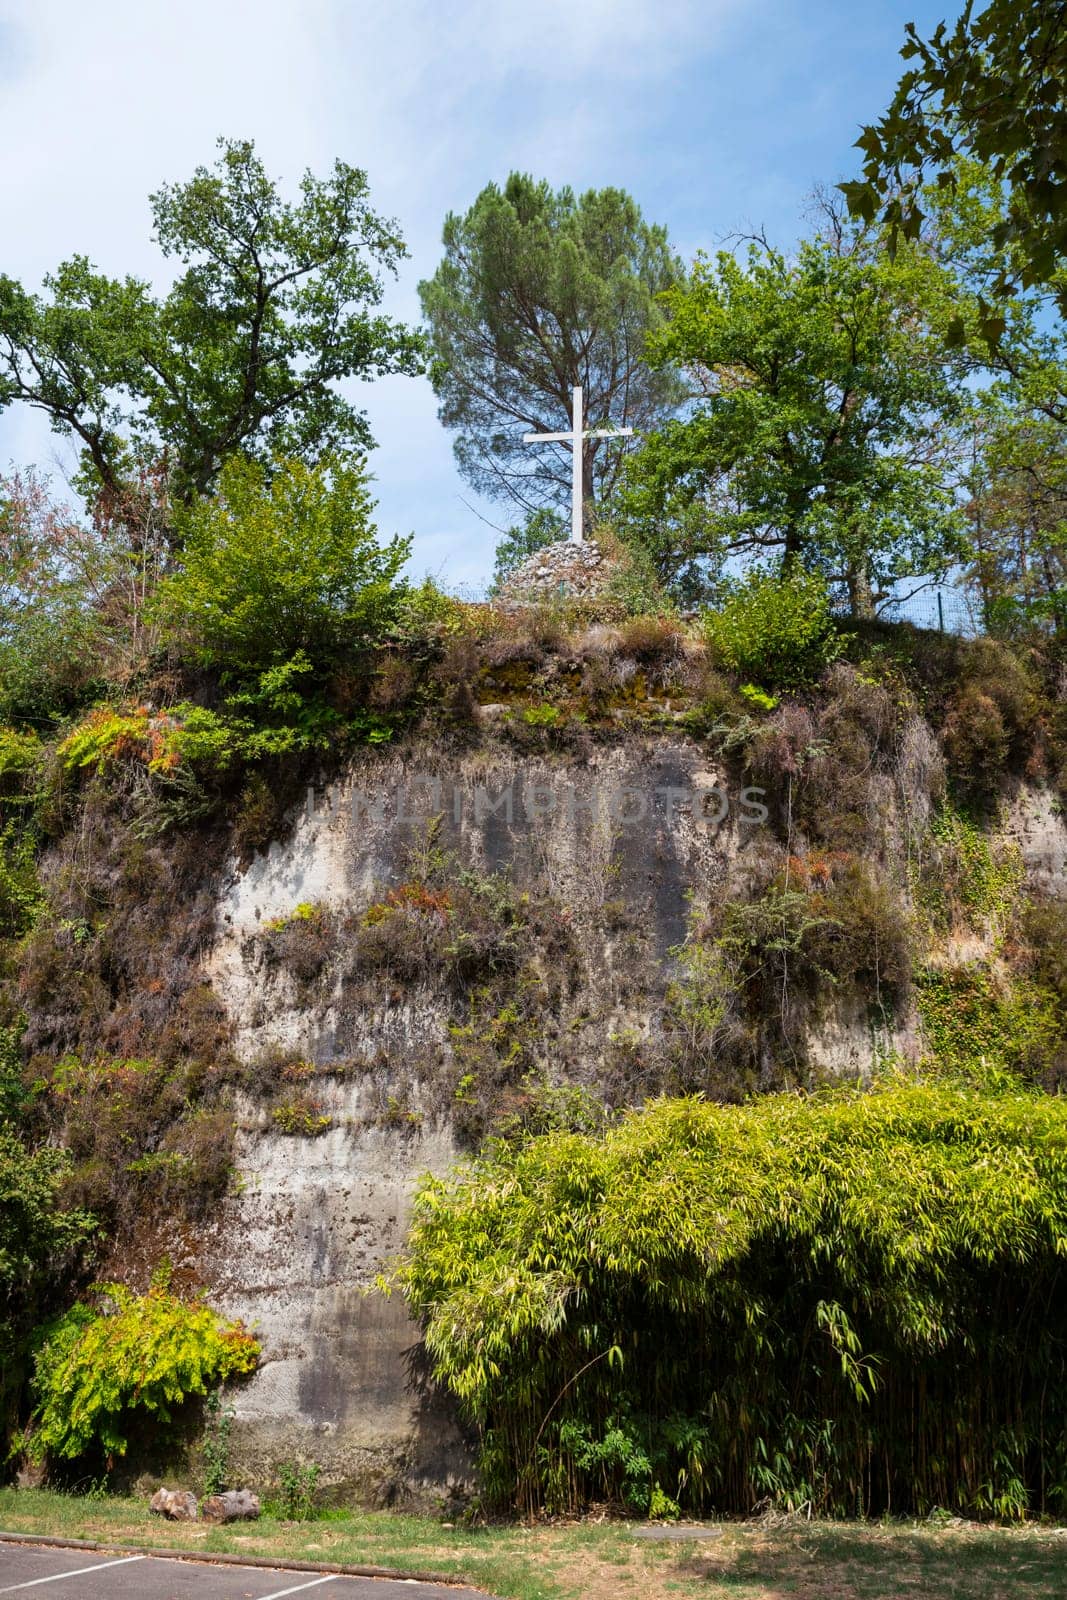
{"x":715,"y":114}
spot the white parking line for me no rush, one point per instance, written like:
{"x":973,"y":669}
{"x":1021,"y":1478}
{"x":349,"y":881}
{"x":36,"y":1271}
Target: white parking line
{"x":331,"y":1577}
{"x":57,"y":1577}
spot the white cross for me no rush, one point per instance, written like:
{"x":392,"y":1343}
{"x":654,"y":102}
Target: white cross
{"x":574,"y":438}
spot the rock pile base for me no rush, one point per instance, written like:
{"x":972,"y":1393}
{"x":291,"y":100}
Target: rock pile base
{"x":565,"y":570}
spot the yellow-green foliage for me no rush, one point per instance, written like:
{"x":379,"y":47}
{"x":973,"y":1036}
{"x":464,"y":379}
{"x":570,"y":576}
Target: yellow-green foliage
{"x":21,"y":897}
{"x":96,"y":1368}
{"x":159,"y":741}
{"x":282,"y":563}
{"x":306,"y":911}
{"x":21,"y":757}
{"x":302,"y":1116}
{"x":107,"y":736}
{"x":851,"y":1299}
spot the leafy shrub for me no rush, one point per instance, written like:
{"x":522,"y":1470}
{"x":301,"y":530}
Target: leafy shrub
{"x":612,"y":1459}
{"x":707,"y":1017}
{"x":550,"y":1108}
{"x":661,"y":1508}
{"x":990,"y":720}
{"x":866,"y":937}
{"x":138,"y":1130}
{"x":657,"y":643}
{"x":849,"y":1301}
{"x":96,"y":1369}
{"x":426,"y":616}
{"x":633,"y":586}
{"x":21,"y":896}
{"x":752,"y":971}
{"x":464,"y":931}
{"x":281,"y":565}
{"x":1044,"y":926}
{"x":395,"y":683}
{"x":977,"y":1020}
{"x":968,"y":879}
{"x":258,"y":819}
{"x":756,"y":698}
{"x":302,"y":942}
{"x":21,"y":755}
{"x":107,"y":736}
{"x":203,"y":740}
{"x":112,"y":967}
{"x":298,"y":1482}
{"x":546,"y":727}
{"x":546,"y":716}
{"x":164,"y":757}
{"x":178,"y":762}
{"x":777,"y":631}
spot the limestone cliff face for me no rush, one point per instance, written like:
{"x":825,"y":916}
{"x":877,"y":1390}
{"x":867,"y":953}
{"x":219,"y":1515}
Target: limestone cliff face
{"x":318,"y":1217}
{"x":626,"y":842}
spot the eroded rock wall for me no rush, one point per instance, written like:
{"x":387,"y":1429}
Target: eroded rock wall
{"x":627,"y":843}
{"x":317,"y":1218}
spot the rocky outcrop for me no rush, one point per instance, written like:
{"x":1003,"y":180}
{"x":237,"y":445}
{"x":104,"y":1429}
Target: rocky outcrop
{"x":629,"y":841}
{"x":618,"y":841}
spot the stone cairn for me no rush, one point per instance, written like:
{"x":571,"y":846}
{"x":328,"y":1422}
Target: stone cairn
{"x":565,"y":570}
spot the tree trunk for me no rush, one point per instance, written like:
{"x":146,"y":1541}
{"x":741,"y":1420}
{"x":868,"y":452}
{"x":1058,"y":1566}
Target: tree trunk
{"x":588,"y":507}
{"x":791,"y":550}
{"x":860,"y":598}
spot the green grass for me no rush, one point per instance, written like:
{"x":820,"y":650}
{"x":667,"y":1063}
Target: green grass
{"x":602,"y":1561}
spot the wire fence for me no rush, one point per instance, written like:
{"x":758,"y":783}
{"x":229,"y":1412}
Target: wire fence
{"x":945,"y":608}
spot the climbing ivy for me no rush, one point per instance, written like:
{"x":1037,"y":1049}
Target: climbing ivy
{"x":975,"y":1018}
{"x":973,"y":877}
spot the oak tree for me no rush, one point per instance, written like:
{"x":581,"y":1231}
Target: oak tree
{"x":992,"y":87}
{"x":275,"y":303}
{"x":823,"y":432}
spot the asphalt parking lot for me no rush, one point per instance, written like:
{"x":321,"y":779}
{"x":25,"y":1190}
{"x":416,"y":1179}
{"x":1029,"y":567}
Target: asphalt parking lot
{"x":33,"y":1570}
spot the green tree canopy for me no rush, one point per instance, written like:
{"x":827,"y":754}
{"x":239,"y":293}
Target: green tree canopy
{"x":994,"y":87}
{"x":48,"y":644}
{"x":282,"y":565}
{"x":1017,"y":476}
{"x":1018,"y":511}
{"x":538,"y":292}
{"x":823,"y":431}
{"x":275,"y":304}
